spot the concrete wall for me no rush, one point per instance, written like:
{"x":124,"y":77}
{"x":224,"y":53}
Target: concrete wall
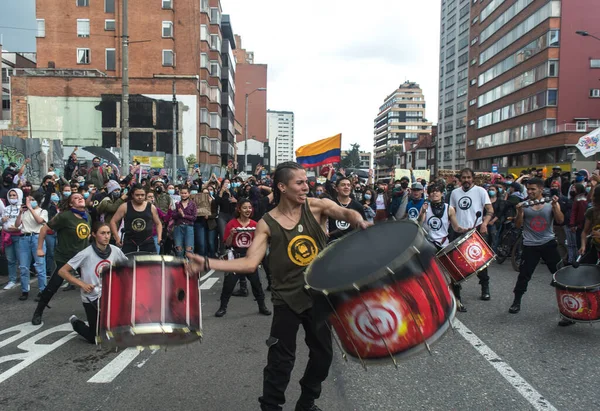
{"x":16,"y":149}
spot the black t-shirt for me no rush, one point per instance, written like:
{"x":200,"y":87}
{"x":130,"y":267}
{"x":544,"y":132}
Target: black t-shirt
{"x":338,"y":228}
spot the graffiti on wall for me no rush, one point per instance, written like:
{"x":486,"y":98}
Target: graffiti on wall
{"x":16,"y":150}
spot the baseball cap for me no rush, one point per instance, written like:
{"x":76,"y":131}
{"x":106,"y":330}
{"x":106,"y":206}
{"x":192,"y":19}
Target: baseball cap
{"x":517,"y":187}
{"x":417,"y":186}
{"x":557,"y":168}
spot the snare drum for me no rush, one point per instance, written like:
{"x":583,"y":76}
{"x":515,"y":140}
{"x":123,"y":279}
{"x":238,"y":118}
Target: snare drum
{"x":465,"y":256}
{"x":386,"y":295}
{"x":578,"y":292}
{"x":149,"y":301}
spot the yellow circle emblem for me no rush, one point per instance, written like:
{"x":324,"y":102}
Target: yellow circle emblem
{"x":83,"y":231}
{"x":139,"y":224}
{"x":302,"y":250}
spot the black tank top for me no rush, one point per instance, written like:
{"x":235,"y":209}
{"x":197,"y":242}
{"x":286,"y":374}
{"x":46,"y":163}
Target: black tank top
{"x":138,"y":224}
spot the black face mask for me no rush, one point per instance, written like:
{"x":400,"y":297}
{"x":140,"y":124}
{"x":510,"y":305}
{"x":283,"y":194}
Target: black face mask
{"x":554,"y":191}
{"x":158,"y":190}
{"x":404,"y":185}
{"x":379,"y":190}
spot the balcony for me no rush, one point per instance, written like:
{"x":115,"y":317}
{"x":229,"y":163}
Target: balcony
{"x":49,"y":72}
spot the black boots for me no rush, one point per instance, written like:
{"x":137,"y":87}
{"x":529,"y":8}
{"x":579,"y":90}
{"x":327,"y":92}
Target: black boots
{"x":243,"y":291}
{"x":24,"y":296}
{"x":222,"y":310}
{"x":44,"y":298}
{"x":516,"y":305}
{"x":262,"y":308}
{"x":485,"y":292}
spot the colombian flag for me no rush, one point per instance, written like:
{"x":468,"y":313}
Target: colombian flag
{"x":328,"y":150}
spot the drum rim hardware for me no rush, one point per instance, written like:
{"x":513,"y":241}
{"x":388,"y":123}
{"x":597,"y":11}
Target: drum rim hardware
{"x":585,"y":289}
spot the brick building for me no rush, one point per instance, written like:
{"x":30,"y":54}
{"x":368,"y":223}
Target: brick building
{"x":11,"y":61}
{"x":531,"y":83}
{"x":420,"y":154}
{"x":80,"y":62}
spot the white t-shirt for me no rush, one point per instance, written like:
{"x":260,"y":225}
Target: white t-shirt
{"x":28,"y":223}
{"x":437,"y":227}
{"x":91,"y":266}
{"x":379,"y":202}
{"x":468,"y":203}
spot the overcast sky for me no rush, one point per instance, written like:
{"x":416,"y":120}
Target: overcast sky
{"x":329,"y":63}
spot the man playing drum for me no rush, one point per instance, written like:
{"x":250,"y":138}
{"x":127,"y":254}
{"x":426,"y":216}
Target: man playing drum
{"x":436,"y":217}
{"x":295,"y":232}
{"x":538,"y":237}
{"x":470,"y":201}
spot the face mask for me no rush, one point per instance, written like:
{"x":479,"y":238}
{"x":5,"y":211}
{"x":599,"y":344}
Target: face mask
{"x":367,"y":196}
{"x":500,"y":191}
{"x":554,"y":191}
{"x":509,"y":182}
{"x":33,"y":204}
{"x":12,"y":168}
{"x":158,"y":190}
{"x":96,"y":164}
{"x":81,"y":184}
{"x":587,"y":189}
{"x":86,"y":195}
{"x":492,"y":193}
{"x":398,"y":185}
{"x":116,"y":194}
{"x":66,"y":194}
{"x":13,"y":201}
{"x":171,"y":192}
{"x":227,"y":186}
{"x":404,"y":185}
{"x":54,"y":198}
{"x":194,"y":192}
{"x":212,"y":193}
{"x":357,"y":189}
{"x":319,"y":192}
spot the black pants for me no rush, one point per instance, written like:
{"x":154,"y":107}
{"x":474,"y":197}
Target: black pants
{"x":52,"y":286}
{"x":484,"y":280}
{"x":282,"y":355}
{"x":88,"y":331}
{"x":231,"y":280}
{"x":147,"y":246}
{"x":530,"y":259}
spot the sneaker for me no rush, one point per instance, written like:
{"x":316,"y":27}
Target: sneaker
{"x":72,"y":319}
{"x":301,"y":407}
{"x":565,"y":323}
{"x":24,"y":296}
{"x":10,"y":285}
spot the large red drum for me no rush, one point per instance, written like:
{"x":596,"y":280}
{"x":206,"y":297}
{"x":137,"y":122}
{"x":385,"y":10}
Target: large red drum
{"x":386,"y":295}
{"x":465,"y":256}
{"x":149,"y":301}
{"x":578,"y":292}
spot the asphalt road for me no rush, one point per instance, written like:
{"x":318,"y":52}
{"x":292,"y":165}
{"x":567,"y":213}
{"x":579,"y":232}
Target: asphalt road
{"x":491,"y":361}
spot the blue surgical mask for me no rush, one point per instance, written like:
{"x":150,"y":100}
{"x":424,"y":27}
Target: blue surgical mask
{"x":587,"y":189}
{"x":367,"y":196}
{"x":194,"y":192}
{"x":500,"y":191}
{"x":33,"y":204}
{"x":212,"y":193}
{"x":492,"y":193}
{"x":54,"y":198}
{"x":319,"y":193}
{"x":171,"y":192}
{"x":86,"y":195}
{"x":66,"y":194}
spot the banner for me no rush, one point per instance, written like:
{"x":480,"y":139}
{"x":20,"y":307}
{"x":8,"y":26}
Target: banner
{"x":328,"y":150}
{"x":154,"y":162}
{"x":588,"y":144}
{"x":419,"y":174}
{"x":202,"y":201}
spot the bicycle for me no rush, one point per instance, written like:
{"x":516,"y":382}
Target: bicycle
{"x":510,"y":245}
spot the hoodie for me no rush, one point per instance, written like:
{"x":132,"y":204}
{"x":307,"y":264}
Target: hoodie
{"x":12,"y":211}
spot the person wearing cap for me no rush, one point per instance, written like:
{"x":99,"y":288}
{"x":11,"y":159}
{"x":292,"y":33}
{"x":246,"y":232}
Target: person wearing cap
{"x":111,"y":203}
{"x":399,"y":198}
{"x":415,"y":202}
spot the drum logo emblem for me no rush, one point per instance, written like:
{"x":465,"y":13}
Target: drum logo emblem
{"x":100,"y":266}
{"x":83,"y":231}
{"x":139,"y":224}
{"x":474,"y":252}
{"x":377,"y":322}
{"x":413,"y":213}
{"x":570,"y":303}
{"x":342,"y":225}
{"x":538,"y":224}
{"x":465,"y":203}
{"x":302,"y":250}
{"x":243,"y":240}
{"x":434,"y":223}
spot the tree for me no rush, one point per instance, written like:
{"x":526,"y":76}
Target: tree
{"x":352,"y":157}
{"x":191,"y":160}
{"x":389,"y":159}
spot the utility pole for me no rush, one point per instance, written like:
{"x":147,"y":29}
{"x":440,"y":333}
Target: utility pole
{"x":246,"y":134}
{"x":125,"y":94}
{"x":174,"y":175}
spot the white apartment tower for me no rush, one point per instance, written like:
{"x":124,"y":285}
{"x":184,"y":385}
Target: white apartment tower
{"x":280,"y":133}
{"x":454,"y":84}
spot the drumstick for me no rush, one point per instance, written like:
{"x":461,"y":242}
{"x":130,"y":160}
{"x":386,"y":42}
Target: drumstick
{"x":477,"y":215}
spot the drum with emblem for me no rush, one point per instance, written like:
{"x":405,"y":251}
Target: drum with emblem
{"x":578,"y":292}
{"x":384,"y":293}
{"x":465,"y":256}
{"x":149,"y":301}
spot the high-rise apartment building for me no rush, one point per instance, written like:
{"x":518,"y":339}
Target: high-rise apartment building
{"x":454,"y":84}
{"x":401,"y":118}
{"x":80,"y":65}
{"x":533,"y":83}
{"x":228,"y":92}
{"x":280,"y":131}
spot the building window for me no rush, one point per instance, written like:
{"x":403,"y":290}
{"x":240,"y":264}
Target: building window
{"x":462,"y":90}
{"x":450,"y":67}
{"x":167,"y":29}
{"x":463,"y":58}
{"x":109,"y":6}
{"x":595,"y":93}
{"x":595,"y":63}
{"x":109,"y":25}
{"x":215,"y":42}
{"x":83,"y":3}
{"x":204,"y":115}
{"x":421,"y":155}
{"x":168,"y":58}
{"x":110,"y":59}
{"x":203,"y":60}
{"x":215,"y":68}
{"x":215,"y":15}
{"x":83,"y":56}
{"x":204,"y":6}
{"x":83,"y":27}
{"x":41,"y":28}
{"x":5,"y":104}
{"x":204,"y":32}
{"x":167,"y":4}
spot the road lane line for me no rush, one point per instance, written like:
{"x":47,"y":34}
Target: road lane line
{"x":208,"y":274}
{"x":208,"y":283}
{"x":523,"y":387}
{"x":115,"y":367}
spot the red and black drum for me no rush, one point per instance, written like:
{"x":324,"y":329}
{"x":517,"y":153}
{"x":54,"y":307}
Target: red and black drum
{"x":149,"y":301}
{"x":578,"y":292}
{"x":465,"y":256}
{"x":385,"y":294}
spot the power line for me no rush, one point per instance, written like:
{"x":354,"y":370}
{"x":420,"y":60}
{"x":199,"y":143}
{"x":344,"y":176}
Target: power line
{"x":55,"y":31}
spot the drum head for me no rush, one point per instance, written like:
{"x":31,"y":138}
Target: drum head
{"x":457,"y":241}
{"x":586,"y":275}
{"x":363,"y":256}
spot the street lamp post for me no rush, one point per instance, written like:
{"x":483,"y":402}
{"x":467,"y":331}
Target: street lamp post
{"x":586,"y":34}
{"x":246,"y":126}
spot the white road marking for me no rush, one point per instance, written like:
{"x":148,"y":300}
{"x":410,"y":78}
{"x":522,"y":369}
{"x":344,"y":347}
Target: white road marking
{"x":208,"y":283}
{"x":144,"y":361}
{"x":23,"y":330}
{"x":115,"y":367}
{"x":523,"y":387}
{"x":208,"y":274}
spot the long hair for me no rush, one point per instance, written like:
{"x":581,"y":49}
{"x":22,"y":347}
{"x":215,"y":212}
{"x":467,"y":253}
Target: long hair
{"x":283,"y":174}
{"x":240,"y":204}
